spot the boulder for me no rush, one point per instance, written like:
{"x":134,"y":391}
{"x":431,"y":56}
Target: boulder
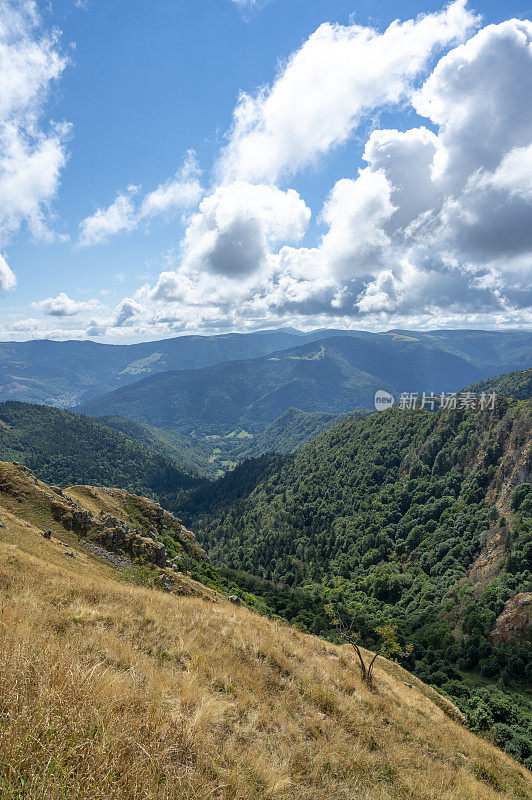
{"x":234,"y":599}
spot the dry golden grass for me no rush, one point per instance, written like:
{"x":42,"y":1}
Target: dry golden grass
{"x":108,"y":690}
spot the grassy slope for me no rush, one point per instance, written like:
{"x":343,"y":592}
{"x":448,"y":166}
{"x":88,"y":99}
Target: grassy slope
{"x":108,"y":690}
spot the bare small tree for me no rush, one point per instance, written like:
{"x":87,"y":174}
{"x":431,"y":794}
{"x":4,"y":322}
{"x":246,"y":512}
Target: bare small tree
{"x":389,"y":647}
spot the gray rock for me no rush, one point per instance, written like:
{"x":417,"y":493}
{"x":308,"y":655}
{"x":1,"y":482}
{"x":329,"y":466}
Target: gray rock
{"x":234,"y":599}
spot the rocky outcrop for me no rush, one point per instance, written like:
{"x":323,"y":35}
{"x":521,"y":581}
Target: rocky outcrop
{"x":515,"y":466}
{"x":119,"y":538}
{"x":515,"y":622}
{"x":133,"y":530}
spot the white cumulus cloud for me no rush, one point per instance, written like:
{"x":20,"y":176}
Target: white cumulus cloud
{"x":31,"y":156}
{"x":125,"y":311}
{"x":8,"y":280}
{"x":107,"y":222}
{"x":64,"y":306}
{"x":124,"y":214}
{"x":339,"y":74}
{"x":231,"y":233}
{"x":182,"y":191}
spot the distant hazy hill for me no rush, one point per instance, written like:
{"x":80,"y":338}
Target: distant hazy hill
{"x":68,"y":373}
{"x":63,"y":373}
{"x":334,"y":375}
{"x":62,"y":447}
{"x":513,"y":384}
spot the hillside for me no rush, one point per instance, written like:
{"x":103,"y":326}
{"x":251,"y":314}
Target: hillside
{"x":423,"y":519}
{"x":98,"y":520}
{"x":109,"y":690}
{"x":62,"y":447}
{"x":291,"y":430}
{"x":191,"y":453}
{"x":334,"y":375}
{"x":513,"y":384}
{"x":66,"y":373}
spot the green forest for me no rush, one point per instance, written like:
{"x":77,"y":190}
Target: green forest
{"x":66,"y":448}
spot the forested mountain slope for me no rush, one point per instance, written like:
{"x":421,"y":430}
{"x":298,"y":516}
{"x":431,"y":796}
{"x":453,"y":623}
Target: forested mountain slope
{"x":189,"y":453}
{"x":502,"y":351}
{"x":424,"y":519}
{"x":113,"y":690}
{"x":290,"y":431}
{"x":513,"y":384}
{"x":335,"y":375}
{"x":62,"y":447}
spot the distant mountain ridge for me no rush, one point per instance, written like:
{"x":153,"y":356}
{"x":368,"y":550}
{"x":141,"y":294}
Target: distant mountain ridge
{"x":72,"y":372}
{"x":337,"y":374}
{"x":67,"y":373}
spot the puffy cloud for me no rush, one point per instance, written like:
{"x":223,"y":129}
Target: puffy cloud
{"x":28,"y":61}
{"x":181,"y":192}
{"x":339,"y":74}
{"x":8,"y":280}
{"x":31,"y":158}
{"x":107,"y":222}
{"x":475,"y":95}
{"x":30,"y":168}
{"x":123,"y":215}
{"x":64,"y":306}
{"x":356,"y":212}
{"x":170,"y":196}
{"x":513,"y":175}
{"x":231,"y":233}
{"x":443,"y":219}
{"x":405,"y":158}
{"x":125,"y":311}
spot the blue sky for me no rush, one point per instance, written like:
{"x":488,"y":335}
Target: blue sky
{"x":257,"y":226}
